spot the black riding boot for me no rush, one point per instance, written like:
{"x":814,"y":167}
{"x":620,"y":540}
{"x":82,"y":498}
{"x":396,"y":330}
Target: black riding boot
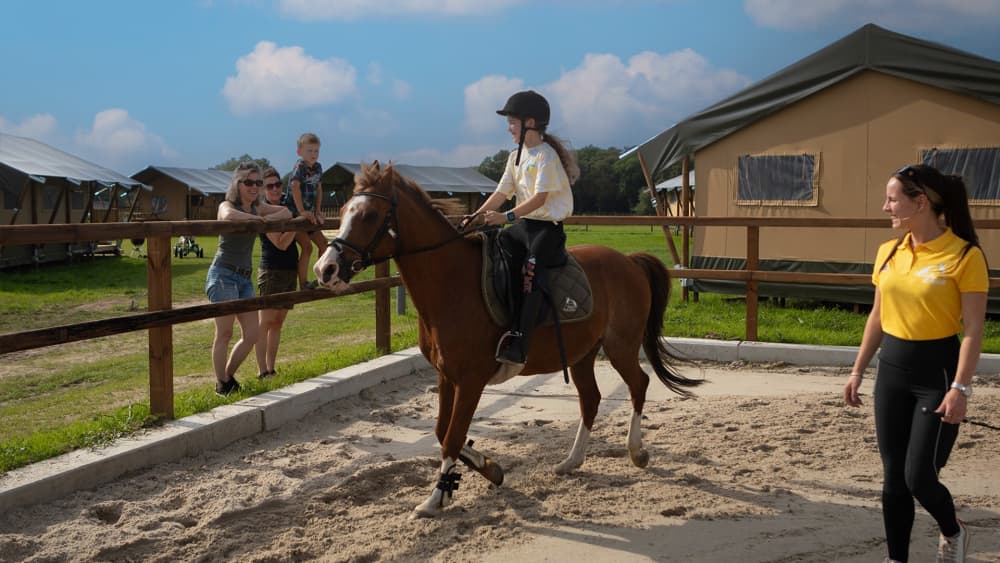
{"x":513,"y":346}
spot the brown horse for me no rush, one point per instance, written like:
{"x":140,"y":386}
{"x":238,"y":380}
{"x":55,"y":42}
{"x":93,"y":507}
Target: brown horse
{"x":391,"y":217}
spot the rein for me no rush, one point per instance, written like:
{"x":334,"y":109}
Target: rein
{"x":365,"y":258}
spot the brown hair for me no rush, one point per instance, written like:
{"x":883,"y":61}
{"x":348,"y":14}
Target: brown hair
{"x":308,"y":139}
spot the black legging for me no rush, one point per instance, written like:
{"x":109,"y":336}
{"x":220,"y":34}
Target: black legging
{"x":913,"y":375}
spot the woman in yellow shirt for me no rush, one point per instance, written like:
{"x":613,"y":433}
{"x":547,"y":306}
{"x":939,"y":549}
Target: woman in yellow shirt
{"x":930,"y":286}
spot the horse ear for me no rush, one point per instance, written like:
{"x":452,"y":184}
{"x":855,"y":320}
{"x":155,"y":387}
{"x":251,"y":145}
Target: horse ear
{"x":375,"y":166}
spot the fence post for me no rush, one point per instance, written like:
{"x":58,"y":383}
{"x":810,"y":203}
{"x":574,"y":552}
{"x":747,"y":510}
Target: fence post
{"x":383,"y":327}
{"x":753,"y":260}
{"x":161,"y":339}
{"x":400,"y":300}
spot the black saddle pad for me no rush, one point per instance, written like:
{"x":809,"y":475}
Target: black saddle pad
{"x":568,"y":286}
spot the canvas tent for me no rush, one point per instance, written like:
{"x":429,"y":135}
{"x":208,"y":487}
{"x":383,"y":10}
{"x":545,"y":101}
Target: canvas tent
{"x":669,"y":191}
{"x":464,"y":184}
{"x":821,"y":137}
{"x":182,"y":193}
{"x":40,"y":184}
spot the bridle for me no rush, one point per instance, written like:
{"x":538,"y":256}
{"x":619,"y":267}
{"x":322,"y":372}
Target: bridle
{"x":390,"y":227}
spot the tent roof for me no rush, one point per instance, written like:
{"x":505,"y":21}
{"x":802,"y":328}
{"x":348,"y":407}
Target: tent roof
{"x":675,"y":182}
{"x":868,"y":48}
{"x":34,"y":158}
{"x":205,"y":181}
{"x":433,"y":178}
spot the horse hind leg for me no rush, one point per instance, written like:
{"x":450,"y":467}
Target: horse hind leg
{"x":627,"y":365}
{"x":590,"y":400}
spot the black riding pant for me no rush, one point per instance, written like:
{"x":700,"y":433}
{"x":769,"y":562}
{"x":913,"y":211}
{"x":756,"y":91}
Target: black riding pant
{"x":913,"y":375}
{"x":544,"y":241}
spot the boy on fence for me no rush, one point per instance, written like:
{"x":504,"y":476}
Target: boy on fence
{"x":305,"y":197}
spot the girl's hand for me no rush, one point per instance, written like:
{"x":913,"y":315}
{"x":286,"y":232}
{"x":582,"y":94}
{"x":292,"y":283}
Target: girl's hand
{"x":494,"y":218}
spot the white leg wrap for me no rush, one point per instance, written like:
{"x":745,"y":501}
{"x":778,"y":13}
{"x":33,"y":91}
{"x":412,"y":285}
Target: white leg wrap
{"x":577,"y":454}
{"x":638,"y":455}
{"x":439,"y":498}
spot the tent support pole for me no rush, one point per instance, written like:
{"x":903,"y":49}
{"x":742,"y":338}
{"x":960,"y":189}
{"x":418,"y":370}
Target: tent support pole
{"x":686,"y":207}
{"x":652,"y":193}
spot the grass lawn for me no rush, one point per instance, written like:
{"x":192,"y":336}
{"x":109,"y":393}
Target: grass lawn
{"x":81,"y":394}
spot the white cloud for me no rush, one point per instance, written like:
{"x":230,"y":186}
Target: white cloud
{"x":461,"y":155}
{"x":39,"y":127}
{"x":398,"y":89}
{"x":610,"y":102}
{"x":115,"y":139}
{"x":358,"y":9}
{"x":273,"y":78}
{"x":905,"y":14}
{"x":482,"y":100}
{"x":365,"y":122}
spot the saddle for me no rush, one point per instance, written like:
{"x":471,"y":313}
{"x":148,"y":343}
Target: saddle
{"x":568,"y":287}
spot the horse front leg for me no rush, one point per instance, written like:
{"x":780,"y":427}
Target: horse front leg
{"x":463,"y":408}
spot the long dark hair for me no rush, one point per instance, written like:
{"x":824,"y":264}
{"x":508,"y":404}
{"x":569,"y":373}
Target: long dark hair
{"x":948,"y":198}
{"x":566,"y":156}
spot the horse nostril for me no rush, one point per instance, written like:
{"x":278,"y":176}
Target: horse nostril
{"x":328,"y":273}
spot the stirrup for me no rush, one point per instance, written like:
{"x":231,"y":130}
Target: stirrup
{"x":504,"y":345}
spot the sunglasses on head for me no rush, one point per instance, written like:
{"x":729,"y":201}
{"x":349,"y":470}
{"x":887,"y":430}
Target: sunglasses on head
{"x":273,"y":185}
{"x":249,"y":183}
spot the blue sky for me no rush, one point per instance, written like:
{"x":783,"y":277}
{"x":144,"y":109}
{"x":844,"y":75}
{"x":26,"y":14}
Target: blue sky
{"x":130,"y":83}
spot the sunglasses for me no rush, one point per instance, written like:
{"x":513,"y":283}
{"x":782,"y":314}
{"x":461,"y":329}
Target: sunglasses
{"x":272,"y":186}
{"x":250,"y":183}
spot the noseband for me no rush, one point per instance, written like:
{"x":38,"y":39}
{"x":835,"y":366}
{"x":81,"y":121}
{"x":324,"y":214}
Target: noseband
{"x":390,"y":226}
{"x":365,"y":255}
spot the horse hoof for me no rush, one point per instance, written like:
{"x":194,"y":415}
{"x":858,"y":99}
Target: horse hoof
{"x":493,"y":472}
{"x":640,"y":458}
{"x":566,"y":467}
{"x":419,"y":513}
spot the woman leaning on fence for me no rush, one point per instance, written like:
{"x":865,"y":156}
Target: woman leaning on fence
{"x":229,"y":276}
{"x":930,"y":285}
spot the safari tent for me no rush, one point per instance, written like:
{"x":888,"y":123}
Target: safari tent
{"x":465,"y":184}
{"x":40,"y":184}
{"x":820,"y":138}
{"x":182,"y":193}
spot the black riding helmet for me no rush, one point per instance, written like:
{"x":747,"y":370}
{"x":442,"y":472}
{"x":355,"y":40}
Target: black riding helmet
{"x":526,"y":105}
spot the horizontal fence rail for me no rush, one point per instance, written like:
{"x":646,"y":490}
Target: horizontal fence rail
{"x":162,"y":315}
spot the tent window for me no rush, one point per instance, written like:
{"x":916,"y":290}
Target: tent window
{"x":978,"y":167}
{"x":76,"y":199}
{"x":787,"y":179}
{"x":50,"y":195}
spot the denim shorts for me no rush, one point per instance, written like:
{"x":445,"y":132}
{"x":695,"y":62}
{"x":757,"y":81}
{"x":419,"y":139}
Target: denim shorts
{"x":223,"y":284}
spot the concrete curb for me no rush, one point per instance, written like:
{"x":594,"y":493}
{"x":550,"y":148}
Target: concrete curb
{"x":85,"y":469}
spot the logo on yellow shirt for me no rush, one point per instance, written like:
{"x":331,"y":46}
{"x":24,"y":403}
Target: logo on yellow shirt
{"x":931,"y":274}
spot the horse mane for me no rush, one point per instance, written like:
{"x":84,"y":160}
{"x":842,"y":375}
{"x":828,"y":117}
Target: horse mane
{"x":374,"y":175}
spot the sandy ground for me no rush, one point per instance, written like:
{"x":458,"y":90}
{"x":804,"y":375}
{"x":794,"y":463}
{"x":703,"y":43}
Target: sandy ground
{"x":765,"y":465}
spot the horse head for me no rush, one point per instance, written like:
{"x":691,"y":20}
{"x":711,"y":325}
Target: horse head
{"x":368,"y":227}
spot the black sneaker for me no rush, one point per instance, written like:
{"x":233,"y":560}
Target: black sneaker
{"x":511,"y":349}
{"x":224,"y":388}
{"x":266,"y":374}
{"x":311,"y":285}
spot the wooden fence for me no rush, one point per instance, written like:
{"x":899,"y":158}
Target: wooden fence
{"x":161,"y":315}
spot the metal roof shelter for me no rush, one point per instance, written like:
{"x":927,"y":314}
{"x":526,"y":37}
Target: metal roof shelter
{"x":22,"y":157}
{"x":676,"y":182}
{"x":183,"y":193}
{"x":868,"y":48}
{"x":431,"y":178}
{"x":204,"y":181}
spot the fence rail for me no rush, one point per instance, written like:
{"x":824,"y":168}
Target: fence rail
{"x":162,"y":315}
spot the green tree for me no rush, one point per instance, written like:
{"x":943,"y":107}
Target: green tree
{"x":232,"y":163}
{"x":492,"y":166}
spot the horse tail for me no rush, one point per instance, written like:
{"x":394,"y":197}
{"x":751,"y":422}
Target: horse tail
{"x":653,"y":345}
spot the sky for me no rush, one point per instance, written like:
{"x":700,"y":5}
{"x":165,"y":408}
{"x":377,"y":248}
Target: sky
{"x":192,"y":83}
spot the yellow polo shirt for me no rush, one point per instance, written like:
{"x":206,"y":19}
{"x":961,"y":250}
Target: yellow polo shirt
{"x":921,"y":287}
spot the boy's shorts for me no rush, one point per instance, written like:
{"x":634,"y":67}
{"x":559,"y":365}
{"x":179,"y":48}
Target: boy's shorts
{"x":277,"y":281}
{"x":223,"y":284}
